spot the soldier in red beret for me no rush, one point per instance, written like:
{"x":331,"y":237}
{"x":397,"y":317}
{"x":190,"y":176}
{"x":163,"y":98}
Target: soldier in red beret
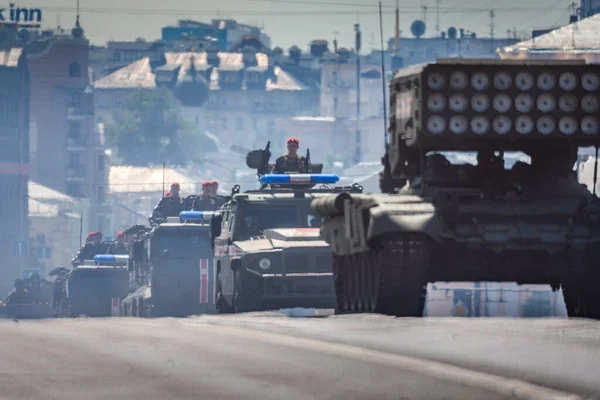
{"x":291,"y":162}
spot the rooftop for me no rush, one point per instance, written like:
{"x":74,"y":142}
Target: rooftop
{"x":580,"y":35}
{"x":140,"y":75}
{"x":10,"y":57}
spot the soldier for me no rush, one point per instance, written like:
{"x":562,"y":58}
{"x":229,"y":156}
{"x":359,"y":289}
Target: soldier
{"x":118,"y":246}
{"x":169,"y":206}
{"x":291,"y":162}
{"x":214,"y":189}
{"x":93,"y":246}
{"x":19,"y":295}
{"x":206,"y":201}
{"x":35,"y":285}
{"x":553,"y":175}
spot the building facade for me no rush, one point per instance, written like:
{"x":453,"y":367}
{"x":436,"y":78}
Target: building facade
{"x":66,"y":152}
{"x":14,"y":165}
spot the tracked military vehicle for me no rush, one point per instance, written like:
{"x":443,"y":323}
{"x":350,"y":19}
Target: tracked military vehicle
{"x":94,"y":288}
{"x":171,"y":268}
{"x":267,"y":246}
{"x":480,"y":221}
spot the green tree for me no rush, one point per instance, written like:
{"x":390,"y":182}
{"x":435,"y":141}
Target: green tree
{"x":149,"y":130}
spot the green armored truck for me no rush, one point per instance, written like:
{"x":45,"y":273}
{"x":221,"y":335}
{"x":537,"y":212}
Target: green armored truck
{"x":444,"y":218}
{"x":268,"y":250}
{"x":171,"y":268}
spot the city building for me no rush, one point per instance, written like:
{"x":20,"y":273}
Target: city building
{"x":578,"y":40}
{"x":14,"y":165}
{"x":452,"y":44}
{"x":239,"y":97}
{"x":104,"y":60}
{"x":57,"y":226}
{"x":66,"y":152}
{"x":587,"y":8}
{"x":224,"y":32}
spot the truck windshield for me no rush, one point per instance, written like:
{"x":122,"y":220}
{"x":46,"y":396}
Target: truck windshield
{"x":102,"y":282}
{"x":256,"y":219}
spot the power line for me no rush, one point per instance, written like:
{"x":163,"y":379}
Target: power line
{"x":139,"y":11}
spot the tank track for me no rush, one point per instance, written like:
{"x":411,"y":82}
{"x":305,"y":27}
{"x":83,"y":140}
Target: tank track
{"x":389,"y":279}
{"x":580,"y":290}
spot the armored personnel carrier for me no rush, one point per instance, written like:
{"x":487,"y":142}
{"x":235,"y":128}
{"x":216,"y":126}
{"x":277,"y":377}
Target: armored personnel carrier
{"x":32,"y":298}
{"x":171,"y":268}
{"x":94,"y":288}
{"x":267,"y":246}
{"x":482,"y":221}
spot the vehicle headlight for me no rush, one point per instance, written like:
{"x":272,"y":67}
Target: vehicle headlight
{"x":264,"y":263}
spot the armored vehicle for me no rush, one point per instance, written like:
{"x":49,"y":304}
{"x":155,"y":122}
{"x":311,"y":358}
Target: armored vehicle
{"x":171,"y":268}
{"x":267,"y":246}
{"x":93,"y":288}
{"x":32,"y":298}
{"x":443,"y":221}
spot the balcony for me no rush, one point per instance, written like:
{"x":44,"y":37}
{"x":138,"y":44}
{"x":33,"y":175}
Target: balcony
{"x":76,"y":173}
{"x":76,"y":143}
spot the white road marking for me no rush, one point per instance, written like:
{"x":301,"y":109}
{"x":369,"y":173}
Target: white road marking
{"x":513,"y":388}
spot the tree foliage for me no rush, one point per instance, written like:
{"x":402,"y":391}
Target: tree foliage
{"x":149,"y":130}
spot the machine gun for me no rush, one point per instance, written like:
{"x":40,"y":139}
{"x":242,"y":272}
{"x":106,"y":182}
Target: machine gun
{"x":259,"y":160}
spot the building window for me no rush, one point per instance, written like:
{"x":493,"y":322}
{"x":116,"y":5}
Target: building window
{"x":101,"y":194}
{"x":74,"y":129}
{"x":73,"y":160}
{"x":76,"y":100}
{"x":74,"y":190}
{"x":100,"y":162}
{"x":75,"y":70}
{"x":223,"y":123}
{"x":239,"y":124}
{"x":116,"y":55}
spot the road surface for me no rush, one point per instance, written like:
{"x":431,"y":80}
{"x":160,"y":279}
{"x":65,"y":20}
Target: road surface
{"x":270,"y":356}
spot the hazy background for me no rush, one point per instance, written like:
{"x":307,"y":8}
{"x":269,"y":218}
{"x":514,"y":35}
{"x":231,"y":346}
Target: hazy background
{"x":298,"y":22}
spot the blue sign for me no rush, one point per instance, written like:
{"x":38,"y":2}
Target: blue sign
{"x":20,"y":248}
{"x":16,"y":14}
{"x":28,"y":272}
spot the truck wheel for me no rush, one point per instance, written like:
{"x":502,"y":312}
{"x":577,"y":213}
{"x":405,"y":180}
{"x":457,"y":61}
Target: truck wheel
{"x":245,"y":299}
{"x":582,"y":297}
{"x":403,"y":265}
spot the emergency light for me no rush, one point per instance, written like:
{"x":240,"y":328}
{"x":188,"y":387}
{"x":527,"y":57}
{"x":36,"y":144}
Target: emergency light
{"x":110,"y":258}
{"x":195,"y":216}
{"x":299,"y":178}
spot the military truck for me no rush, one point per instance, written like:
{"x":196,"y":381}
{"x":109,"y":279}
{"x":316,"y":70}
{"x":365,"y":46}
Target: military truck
{"x":267,"y":245}
{"x":93,"y":289}
{"x":435,"y":221}
{"x":31,"y":298}
{"x":171,"y":268}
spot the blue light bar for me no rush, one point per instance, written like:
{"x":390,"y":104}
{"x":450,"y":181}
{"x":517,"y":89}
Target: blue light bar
{"x":299,"y":178}
{"x":111,"y":258}
{"x":195,"y":216}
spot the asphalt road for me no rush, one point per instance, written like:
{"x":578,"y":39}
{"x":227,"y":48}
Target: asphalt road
{"x":269,"y":356}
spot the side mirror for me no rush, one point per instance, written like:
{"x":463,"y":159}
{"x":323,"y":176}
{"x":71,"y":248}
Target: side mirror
{"x":236,"y":264}
{"x":215,"y":225}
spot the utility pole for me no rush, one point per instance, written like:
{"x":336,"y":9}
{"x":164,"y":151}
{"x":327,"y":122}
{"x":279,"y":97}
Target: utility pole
{"x":357,"y":47}
{"x":492,"y":25}
{"x":437,"y":17}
